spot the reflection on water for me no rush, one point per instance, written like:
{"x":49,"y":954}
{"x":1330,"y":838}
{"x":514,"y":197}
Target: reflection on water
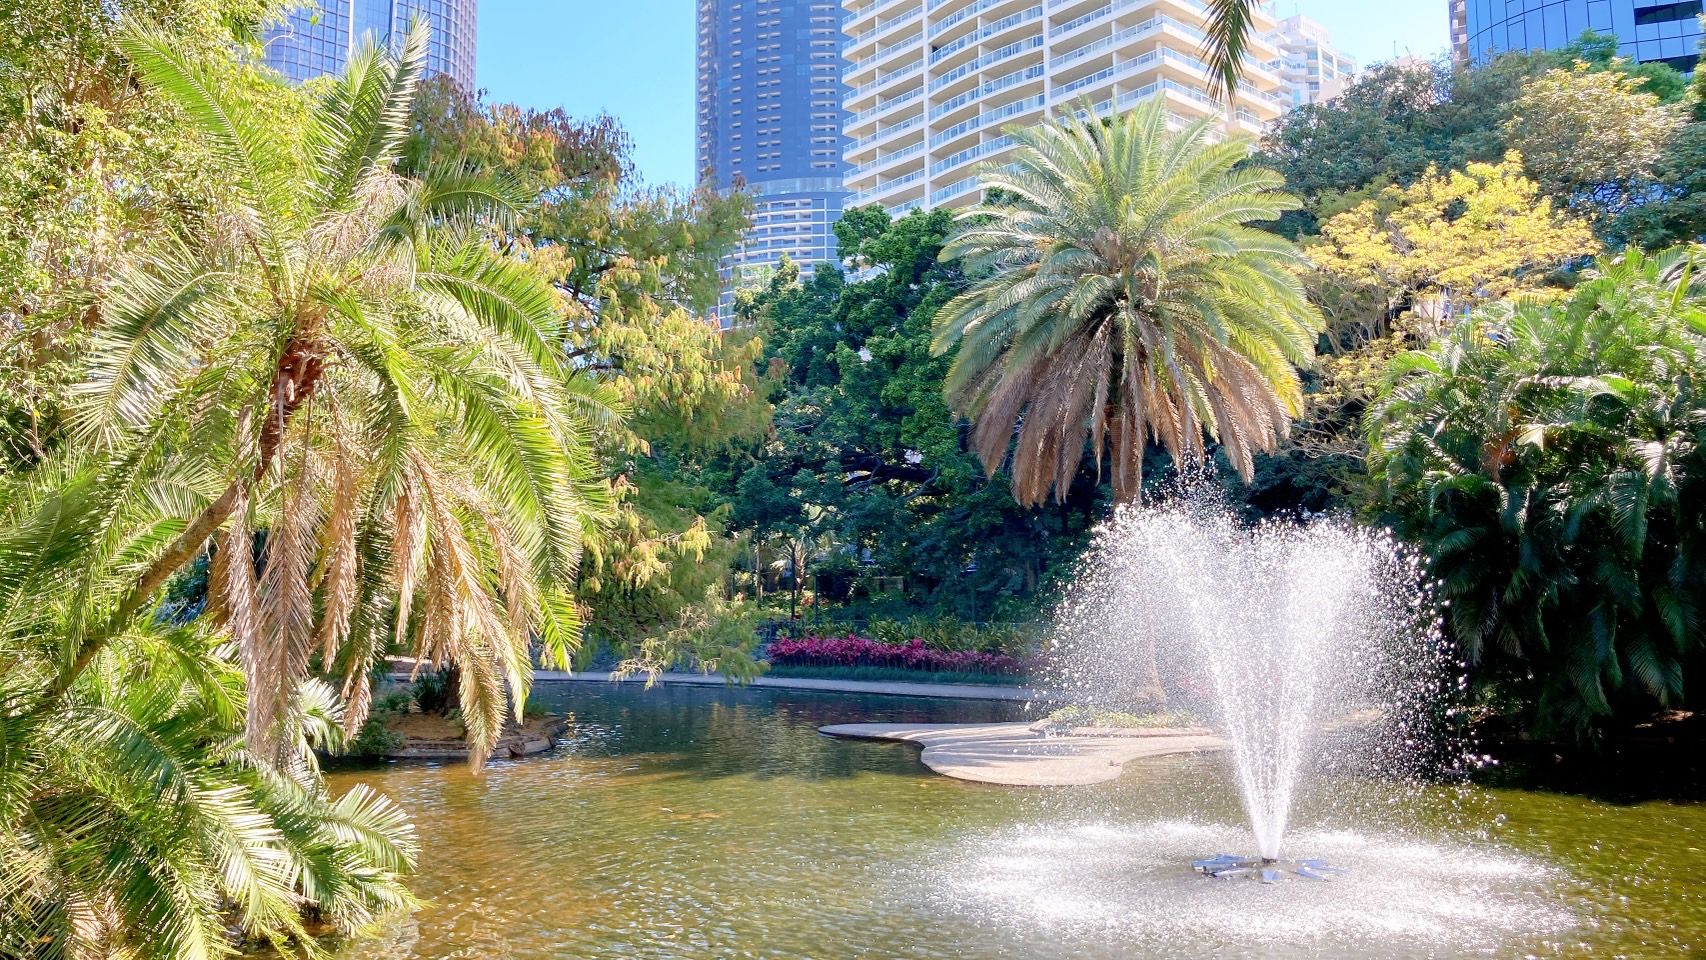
{"x":692,"y":822}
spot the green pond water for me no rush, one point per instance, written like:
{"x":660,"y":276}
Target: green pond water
{"x":694,"y":822}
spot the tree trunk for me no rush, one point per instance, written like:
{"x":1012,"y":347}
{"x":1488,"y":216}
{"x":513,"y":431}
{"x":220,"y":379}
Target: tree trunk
{"x":294,"y":380}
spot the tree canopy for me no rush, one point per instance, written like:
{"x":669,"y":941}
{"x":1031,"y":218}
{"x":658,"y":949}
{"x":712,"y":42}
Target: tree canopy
{"x":1120,"y":295}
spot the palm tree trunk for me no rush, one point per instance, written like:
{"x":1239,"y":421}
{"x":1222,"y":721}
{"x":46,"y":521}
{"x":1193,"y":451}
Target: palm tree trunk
{"x":298,"y":371}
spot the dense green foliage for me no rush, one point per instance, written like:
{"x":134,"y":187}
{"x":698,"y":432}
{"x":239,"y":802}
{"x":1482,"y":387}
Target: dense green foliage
{"x":92,"y":165}
{"x":1399,"y":120}
{"x":1386,"y":162}
{"x":1549,"y":460}
{"x":864,"y":455}
{"x":133,"y":821}
{"x":635,"y":269}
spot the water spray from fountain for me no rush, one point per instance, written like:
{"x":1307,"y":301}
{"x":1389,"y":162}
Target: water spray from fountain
{"x":1285,"y":636}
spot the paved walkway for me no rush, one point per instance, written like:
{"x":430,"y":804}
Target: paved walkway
{"x":949,"y":691}
{"x":1022,"y":755}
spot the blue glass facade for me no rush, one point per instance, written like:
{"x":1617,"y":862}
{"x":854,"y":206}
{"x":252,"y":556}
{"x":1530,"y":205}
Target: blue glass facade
{"x":1647,"y":30}
{"x":770,"y":119}
{"x":315,"y":39}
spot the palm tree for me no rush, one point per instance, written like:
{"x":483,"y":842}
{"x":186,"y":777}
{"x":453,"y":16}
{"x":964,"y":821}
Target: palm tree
{"x":797,"y":552}
{"x":1119,"y":294}
{"x":134,"y":823}
{"x":342,"y":360}
{"x":1548,"y":458}
{"x":1227,"y":39}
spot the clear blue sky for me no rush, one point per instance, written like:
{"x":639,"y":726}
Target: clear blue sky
{"x":635,"y":59}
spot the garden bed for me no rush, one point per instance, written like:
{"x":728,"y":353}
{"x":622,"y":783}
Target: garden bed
{"x":853,"y":657}
{"x":892,"y":675}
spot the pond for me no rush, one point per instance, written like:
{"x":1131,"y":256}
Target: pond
{"x":702,"y":822}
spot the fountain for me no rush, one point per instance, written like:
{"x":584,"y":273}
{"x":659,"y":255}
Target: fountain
{"x":1285,"y":636}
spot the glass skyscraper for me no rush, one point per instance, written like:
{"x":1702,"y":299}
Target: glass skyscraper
{"x":316,"y":38}
{"x":1648,"y":31}
{"x":770,"y":122}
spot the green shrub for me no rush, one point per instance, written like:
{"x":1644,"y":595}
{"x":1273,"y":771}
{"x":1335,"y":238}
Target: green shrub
{"x":432,"y":692}
{"x":375,"y":738}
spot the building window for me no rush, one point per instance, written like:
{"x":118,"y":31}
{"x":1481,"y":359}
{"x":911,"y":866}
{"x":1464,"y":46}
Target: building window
{"x":1665,"y":13}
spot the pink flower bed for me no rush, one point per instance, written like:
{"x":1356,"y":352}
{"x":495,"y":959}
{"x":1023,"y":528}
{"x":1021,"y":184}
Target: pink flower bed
{"x":856,"y":651}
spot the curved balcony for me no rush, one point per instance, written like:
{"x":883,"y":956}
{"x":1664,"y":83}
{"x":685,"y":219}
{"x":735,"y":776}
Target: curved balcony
{"x":884,"y":79}
{"x":885,"y":160}
{"x":882,"y":26}
{"x":884,"y":106}
{"x":886,"y":138}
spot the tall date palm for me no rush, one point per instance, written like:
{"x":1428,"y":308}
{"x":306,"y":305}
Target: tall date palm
{"x":344,"y":361}
{"x":1119,"y":294}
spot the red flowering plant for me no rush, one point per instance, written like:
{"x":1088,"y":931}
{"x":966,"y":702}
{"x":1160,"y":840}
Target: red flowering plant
{"x":856,"y":651}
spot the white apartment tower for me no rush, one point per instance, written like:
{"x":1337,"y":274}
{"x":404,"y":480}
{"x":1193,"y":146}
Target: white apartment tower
{"x":931,"y":83}
{"x":1313,"y":70}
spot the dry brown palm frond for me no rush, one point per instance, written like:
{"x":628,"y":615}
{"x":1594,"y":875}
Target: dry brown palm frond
{"x":232,"y":589}
{"x":406,"y":539}
{"x":338,"y":579}
{"x":276,"y":656}
{"x":459,"y":623}
{"x":515,"y":579}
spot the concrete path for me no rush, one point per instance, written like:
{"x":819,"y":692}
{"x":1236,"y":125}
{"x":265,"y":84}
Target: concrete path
{"x":1022,"y":755}
{"x":950,"y":691}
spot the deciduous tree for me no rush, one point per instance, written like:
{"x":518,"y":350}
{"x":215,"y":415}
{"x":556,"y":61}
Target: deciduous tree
{"x":1593,"y":137}
{"x":1468,"y":237}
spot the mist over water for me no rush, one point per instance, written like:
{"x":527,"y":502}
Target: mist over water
{"x":1309,"y":646}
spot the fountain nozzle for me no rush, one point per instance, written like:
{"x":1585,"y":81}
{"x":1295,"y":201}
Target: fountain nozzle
{"x":1225,"y":866}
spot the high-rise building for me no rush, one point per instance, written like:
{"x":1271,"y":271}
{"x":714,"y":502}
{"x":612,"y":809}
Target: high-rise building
{"x":316,"y":38}
{"x":1648,"y":31}
{"x":770,"y":123}
{"x":1314,"y":70}
{"x":931,"y":83}
{"x":1459,"y":31}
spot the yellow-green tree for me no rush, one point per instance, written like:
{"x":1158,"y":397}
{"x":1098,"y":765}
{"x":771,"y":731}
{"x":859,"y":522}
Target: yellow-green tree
{"x":1451,"y":240}
{"x":92,"y":166}
{"x":1593,"y":136}
{"x":1395,"y":264}
{"x":636,"y":271}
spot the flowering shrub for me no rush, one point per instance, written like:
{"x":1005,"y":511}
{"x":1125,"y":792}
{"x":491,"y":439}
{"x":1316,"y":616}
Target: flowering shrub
{"x":857,"y":651}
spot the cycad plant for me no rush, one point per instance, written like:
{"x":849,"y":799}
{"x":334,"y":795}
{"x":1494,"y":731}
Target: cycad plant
{"x":1119,"y":295}
{"x":1549,"y":457}
{"x":340,"y":385}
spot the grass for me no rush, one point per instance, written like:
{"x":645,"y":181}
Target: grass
{"x":894,"y":675}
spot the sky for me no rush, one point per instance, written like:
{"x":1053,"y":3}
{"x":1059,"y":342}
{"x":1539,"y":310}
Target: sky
{"x":634,"y":59}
